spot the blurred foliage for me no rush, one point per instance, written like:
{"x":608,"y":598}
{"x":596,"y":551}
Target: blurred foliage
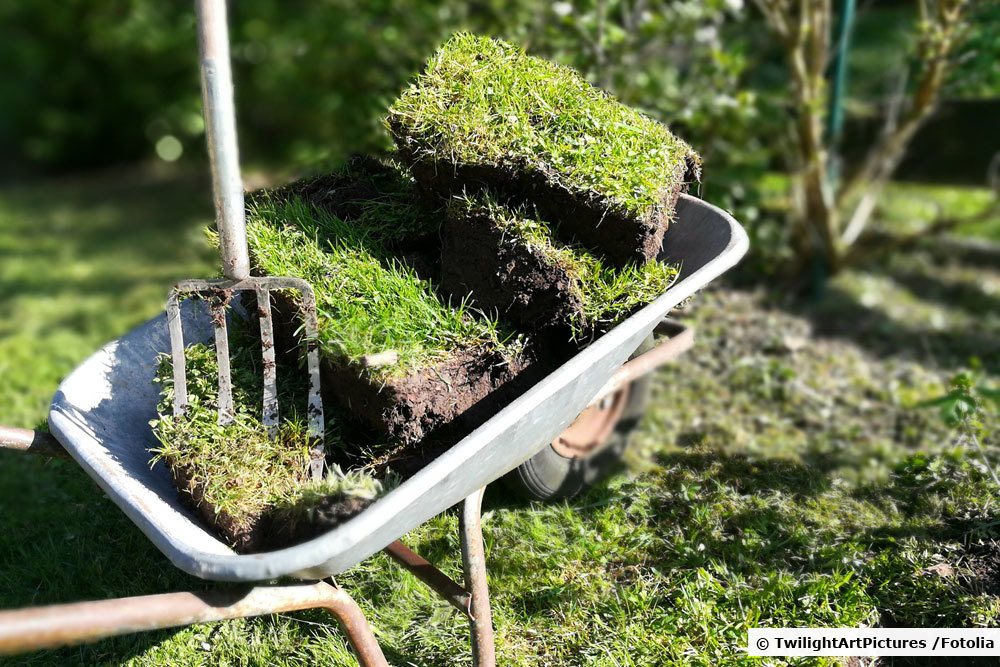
{"x":97,"y":82}
{"x":94,"y":83}
{"x":977,"y":74}
{"x":86,"y":82}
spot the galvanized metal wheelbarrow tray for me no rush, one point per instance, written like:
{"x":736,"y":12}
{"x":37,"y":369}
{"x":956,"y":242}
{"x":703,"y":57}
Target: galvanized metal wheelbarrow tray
{"x":100,"y":416}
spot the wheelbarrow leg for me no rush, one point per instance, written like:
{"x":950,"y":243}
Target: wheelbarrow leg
{"x":474,"y":565}
{"x":354,"y":624}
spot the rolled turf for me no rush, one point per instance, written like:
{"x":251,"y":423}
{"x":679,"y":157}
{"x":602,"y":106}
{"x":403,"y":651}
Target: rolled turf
{"x":437,"y":361}
{"x":511,"y":262}
{"x":485,"y":114}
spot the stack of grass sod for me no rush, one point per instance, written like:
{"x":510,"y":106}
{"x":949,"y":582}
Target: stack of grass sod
{"x":484,"y":114}
{"x":397,"y":356}
{"x":350,"y":235}
{"x":251,"y":487}
{"x":509,"y":261}
{"x":393,"y":353}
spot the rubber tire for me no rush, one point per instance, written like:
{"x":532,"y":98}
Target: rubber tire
{"x":549,"y":475}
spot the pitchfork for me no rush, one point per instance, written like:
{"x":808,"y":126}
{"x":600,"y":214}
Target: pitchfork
{"x":227,"y":187}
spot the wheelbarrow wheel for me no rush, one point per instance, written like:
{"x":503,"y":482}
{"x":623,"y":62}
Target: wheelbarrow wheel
{"x":589,"y":450}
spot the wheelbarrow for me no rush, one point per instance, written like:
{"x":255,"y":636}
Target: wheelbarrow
{"x":100,"y":418}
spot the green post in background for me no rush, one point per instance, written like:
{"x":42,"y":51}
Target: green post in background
{"x":838,"y":84}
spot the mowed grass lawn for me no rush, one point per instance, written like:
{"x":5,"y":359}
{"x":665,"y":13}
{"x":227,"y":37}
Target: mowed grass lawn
{"x":791,"y":482}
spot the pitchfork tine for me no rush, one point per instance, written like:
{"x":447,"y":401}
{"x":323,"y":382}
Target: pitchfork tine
{"x":226,"y":412}
{"x":270,"y":416}
{"x":219,"y":293}
{"x":177,"y":353}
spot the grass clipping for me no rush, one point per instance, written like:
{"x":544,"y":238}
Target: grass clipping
{"x":482,"y":101}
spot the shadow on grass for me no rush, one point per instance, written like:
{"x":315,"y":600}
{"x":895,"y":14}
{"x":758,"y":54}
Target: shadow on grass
{"x":842,"y":315}
{"x":127,"y":227}
{"x":837,"y":313}
{"x":753,"y":476}
{"x":929,"y":286}
{"x":62,"y":540}
{"x":970,"y":252}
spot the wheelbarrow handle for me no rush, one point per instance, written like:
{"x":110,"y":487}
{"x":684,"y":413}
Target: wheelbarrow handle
{"x":679,"y":338}
{"x":34,"y":628}
{"x":31,"y":442}
{"x":220,"y":131}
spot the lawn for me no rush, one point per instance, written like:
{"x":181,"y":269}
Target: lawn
{"x":792,"y":482}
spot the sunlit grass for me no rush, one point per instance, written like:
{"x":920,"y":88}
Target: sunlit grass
{"x":368,"y":302}
{"x":481,"y":101}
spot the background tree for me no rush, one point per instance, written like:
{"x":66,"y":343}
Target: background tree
{"x":830,"y":215}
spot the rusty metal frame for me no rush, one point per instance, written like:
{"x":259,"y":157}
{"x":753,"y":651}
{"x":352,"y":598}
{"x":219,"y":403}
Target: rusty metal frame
{"x":36,"y":628}
{"x":31,"y":442}
{"x":470,"y":527}
{"x":678,"y":338}
{"x":67,"y":624}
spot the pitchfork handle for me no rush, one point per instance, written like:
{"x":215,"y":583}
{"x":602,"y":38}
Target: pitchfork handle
{"x":220,"y":128}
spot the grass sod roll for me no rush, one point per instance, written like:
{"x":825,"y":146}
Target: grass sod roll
{"x":484,"y":114}
{"x":252,"y":489}
{"x":436,"y":361}
{"x":510,"y":261}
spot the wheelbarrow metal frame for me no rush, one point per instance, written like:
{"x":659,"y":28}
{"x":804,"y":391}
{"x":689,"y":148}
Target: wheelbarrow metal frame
{"x":46,"y":627}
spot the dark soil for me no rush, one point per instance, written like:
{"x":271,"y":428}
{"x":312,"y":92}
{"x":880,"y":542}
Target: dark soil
{"x":470,"y":386}
{"x":282,"y":528}
{"x":243,"y":538}
{"x":983,"y":562}
{"x":346,"y":192}
{"x":621,"y":238}
{"x":423,"y":256}
{"x":499,"y":273}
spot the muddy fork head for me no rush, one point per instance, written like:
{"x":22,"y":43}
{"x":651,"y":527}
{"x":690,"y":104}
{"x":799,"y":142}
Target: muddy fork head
{"x":218,"y":294}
